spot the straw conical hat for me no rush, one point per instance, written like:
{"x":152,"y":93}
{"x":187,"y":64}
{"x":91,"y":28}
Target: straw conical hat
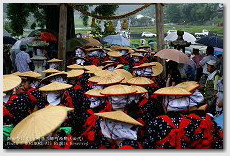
{"x":108,"y":49}
{"x":109,"y":65}
{"x":39,"y":124}
{"x":31,"y":74}
{"x":64,"y":74}
{"x":125,"y":73}
{"x":94,"y":93}
{"x":119,"y":48}
{"x":54,"y":60}
{"x":95,"y":79}
{"x":144,"y":65}
{"x":139,"y":89}
{"x":104,"y":73}
{"x":141,"y":51}
{"x":119,"y":116}
{"x":157,"y":68}
{"x":118,"y":90}
{"x":119,"y":66}
{"x":114,"y":54}
{"x":51,"y":70}
{"x":10,"y":82}
{"x":91,"y":67}
{"x":172,"y":91}
{"x":55,"y":86}
{"x":140,"y":81}
{"x":74,"y":73}
{"x":17,"y":73}
{"x":93,"y":49}
{"x":110,"y":80}
{"x":107,"y":62}
{"x":75,"y":66}
{"x":188,"y":85}
{"x":136,"y":55}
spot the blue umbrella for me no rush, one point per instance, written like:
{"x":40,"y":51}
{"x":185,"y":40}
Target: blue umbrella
{"x":211,"y":41}
{"x":116,"y":40}
{"x":220,"y":120}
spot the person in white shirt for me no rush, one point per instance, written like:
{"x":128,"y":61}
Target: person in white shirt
{"x":23,"y":60}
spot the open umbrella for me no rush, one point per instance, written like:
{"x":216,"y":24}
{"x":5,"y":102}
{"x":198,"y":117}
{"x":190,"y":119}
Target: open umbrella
{"x":174,"y":55}
{"x":39,"y":124}
{"x":23,"y":41}
{"x":33,"y":33}
{"x":116,"y":40}
{"x":213,"y":41}
{"x":187,"y":37}
{"x":5,"y":33}
{"x":48,"y":37}
{"x":72,"y":43}
{"x":92,"y":42}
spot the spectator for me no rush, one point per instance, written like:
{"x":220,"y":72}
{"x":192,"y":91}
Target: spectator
{"x":22,"y":60}
{"x":197,"y":58}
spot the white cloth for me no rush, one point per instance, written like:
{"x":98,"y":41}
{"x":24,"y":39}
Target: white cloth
{"x":177,"y":103}
{"x":94,"y":102}
{"x":97,"y":87}
{"x":117,"y":130}
{"x":53,"y":65}
{"x":34,"y":84}
{"x":80,"y":61}
{"x":22,"y":61}
{"x":119,"y":101}
{"x":6,"y":98}
{"x":52,"y":98}
{"x":58,"y":79}
{"x":205,"y":60}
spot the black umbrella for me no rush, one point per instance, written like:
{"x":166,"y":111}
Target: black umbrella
{"x":213,"y":41}
{"x":72,"y":43}
{"x":8,"y":40}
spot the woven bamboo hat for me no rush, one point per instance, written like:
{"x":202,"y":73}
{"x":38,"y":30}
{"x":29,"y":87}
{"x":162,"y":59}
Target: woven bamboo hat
{"x":114,"y":54}
{"x":17,"y":73}
{"x":51,"y":70}
{"x":55,"y":86}
{"x":141,"y":51}
{"x":136,"y":55}
{"x":140,"y":81}
{"x":110,"y":80}
{"x":119,"y":66}
{"x":108,"y":49}
{"x":109,"y":65}
{"x":74,"y":73}
{"x":54,"y":60}
{"x":93,"y":49}
{"x":39,"y":124}
{"x":107,"y":62}
{"x":75,"y":66}
{"x":189,"y":85}
{"x":127,"y":75}
{"x":62,"y":74}
{"x":10,"y":82}
{"x":91,"y":67}
{"x":119,"y":116}
{"x":95,"y":79}
{"x":172,"y":91}
{"x":31,"y":74}
{"x":139,"y":89}
{"x":120,"y":48}
{"x":157,"y":68}
{"x":94,"y":93}
{"x":144,"y":65}
{"x":118,"y":90}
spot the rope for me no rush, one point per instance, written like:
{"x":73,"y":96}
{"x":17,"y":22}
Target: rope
{"x":86,"y":13}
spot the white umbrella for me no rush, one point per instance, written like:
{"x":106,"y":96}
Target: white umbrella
{"x":116,"y":40}
{"x":5,"y":33}
{"x":187,"y":37}
{"x":22,"y":41}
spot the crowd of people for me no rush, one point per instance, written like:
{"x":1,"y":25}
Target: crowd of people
{"x":121,"y":98}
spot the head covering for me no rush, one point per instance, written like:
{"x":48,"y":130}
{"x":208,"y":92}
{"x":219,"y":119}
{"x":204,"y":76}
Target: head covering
{"x":119,"y":116}
{"x":10,"y":82}
{"x":114,"y":54}
{"x":172,"y":91}
{"x":55,"y":86}
{"x":139,"y":89}
{"x":94,"y":93}
{"x":136,"y":55}
{"x":212,"y":63}
{"x":157,"y":68}
{"x":53,"y":98}
{"x":31,"y":74}
{"x":118,"y":90}
{"x":75,"y":66}
{"x":189,"y":85}
{"x":140,"y":81}
{"x":51,"y":70}
{"x":127,"y":75}
{"x":74,"y":73}
{"x":53,"y":76}
{"x":54,"y":60}
{"x":144,"y":65}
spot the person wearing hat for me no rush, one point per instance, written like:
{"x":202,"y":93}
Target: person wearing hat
{"x":137,"y":59}
{"x":210,"y":88}
{"x":54,"y":63}
{"x":94,"y":55}
{"x":185,"y":125}
{"x":16,"y":104}
{"x":119,"y":131}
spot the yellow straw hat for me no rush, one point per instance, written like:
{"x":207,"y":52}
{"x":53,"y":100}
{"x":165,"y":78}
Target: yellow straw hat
{"x":54,"y":60}
{"x":39,"y":124}
{"x":94,"y":93}
{"x":139,"y":89}
{"x":91,"y":67}
{"x":95,"y":79}
{"x":17,"y":73}
{"x":51,"y":70}
{"x":55,"y":86}
{"x":107,"y":62}
{"x":10,"y":82}
{"x":189,"y":85}
{"x":75,"y":66}
{"x":119,"y":116}
{"x":64,"y":74}
{"x":136,"y":55}
{"x":144,"y":65}
{"x":114,"y":54}
{"x":110,"y":80}
{"x":108,"y":49}
{"x":93,"y":49}
{"x":140,"y":81}
{"x":74,"y":73}
{"x":109,"y":65}
{"x":118,"y":90}
{"x":141,"y":51}
{"x":120,"y":48}
{"x":31,"y":74}
{"x":125,"y":73}
{"x":172,"y":91}
{"x":157,"y":68}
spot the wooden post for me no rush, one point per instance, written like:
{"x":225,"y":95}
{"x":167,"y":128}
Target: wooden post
{"x":62,"y":35}
{"x":160,"y":33}
{"x":159,"y":26}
